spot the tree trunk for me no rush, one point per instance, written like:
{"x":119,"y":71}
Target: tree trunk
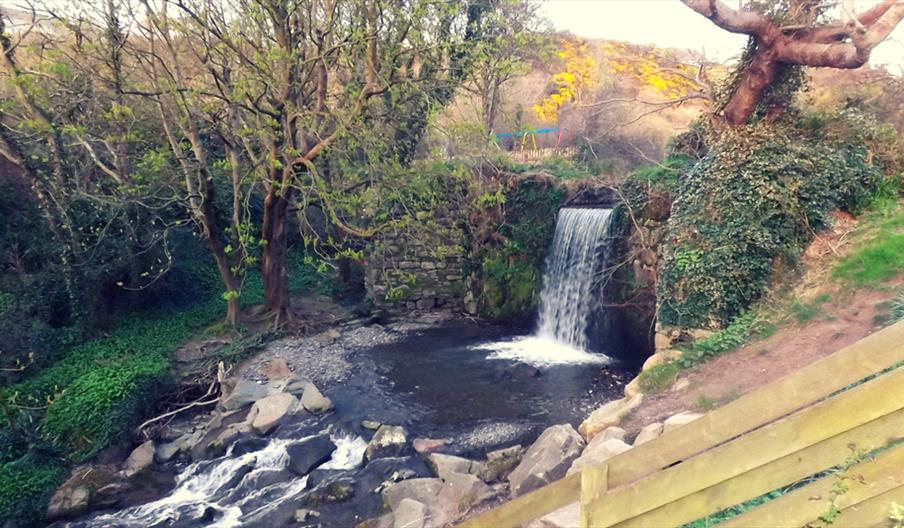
{"x":758,"y":75}
{"x":273,"y":263}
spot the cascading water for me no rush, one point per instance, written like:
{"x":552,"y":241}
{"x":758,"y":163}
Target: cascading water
{"x":573,"y":270}
{"x":569,"y":299}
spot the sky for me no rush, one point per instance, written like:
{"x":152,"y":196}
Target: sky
{"x":670,"y":24}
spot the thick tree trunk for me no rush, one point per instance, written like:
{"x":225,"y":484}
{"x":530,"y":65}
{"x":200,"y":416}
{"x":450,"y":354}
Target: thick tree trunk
{"x":758,"y":75}
{"x":275,"y":273}
{"x":214,"y":238}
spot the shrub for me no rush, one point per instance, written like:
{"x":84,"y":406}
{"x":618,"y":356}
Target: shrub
{"x":753,"y":201}
{"x":25,"y":487}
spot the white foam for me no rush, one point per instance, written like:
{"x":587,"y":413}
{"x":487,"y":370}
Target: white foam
{"x":541,"y":352}
{"x":349,"y":453}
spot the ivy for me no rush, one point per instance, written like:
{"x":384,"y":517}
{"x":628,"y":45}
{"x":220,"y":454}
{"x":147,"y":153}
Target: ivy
{"x":752,"y":203}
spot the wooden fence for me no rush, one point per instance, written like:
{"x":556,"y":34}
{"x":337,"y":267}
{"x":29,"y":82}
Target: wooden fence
{"x":815,"y":423}
{"x":531,"y":156}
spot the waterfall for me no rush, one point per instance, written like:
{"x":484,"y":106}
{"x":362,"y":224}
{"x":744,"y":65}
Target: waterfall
{"x":569,"y":300}
{"x":573,"y":269}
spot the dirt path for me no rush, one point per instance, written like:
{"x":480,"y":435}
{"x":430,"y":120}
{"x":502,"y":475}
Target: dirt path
{"x":846,"y":319}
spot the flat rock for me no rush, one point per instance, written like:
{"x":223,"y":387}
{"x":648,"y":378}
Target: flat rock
{"x":141,"y":458}
{"x":313,"y":401}
{"x":680,"y":419}
{"x":268,"y":412}
{"x":597,"y":452}
{"x":370,"y":425}
{"x":388,"y":441}
{"x":309,"y":453}
{"x":660,"y":358}
{"x":608,"y":415}
{"x":423,"y":490}
{"x":409,"y":514}
{"x":648,"y":433}
{"x":277,"y":369}
{"x":443,"y":466}
{"x":548,"y":459}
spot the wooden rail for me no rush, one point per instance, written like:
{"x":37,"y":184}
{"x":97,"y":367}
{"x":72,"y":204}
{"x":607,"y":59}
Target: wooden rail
{"x":801,"y":425}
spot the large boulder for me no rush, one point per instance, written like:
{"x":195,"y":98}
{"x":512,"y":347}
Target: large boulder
{"x":428,"y":445}
{"x":69,"y":501}
{"x":423,"y":490}
{"x":166,"y":451}
{"x":313,"y":401}
{"x":243,"y":392}
{"x":141,"y":458}
{"x":309,"y":453}
{"x":547,"y":459}
{"x":388,"y":441}
{"x":597,"y":452}
{"x":445,"y":465}
{"x":608,"y":415}
{"x":268,"y":412}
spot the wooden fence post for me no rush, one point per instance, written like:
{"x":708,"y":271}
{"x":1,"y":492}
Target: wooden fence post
{"x":594,"y":484}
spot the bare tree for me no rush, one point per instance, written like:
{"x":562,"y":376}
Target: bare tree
{"x":806,"y":40}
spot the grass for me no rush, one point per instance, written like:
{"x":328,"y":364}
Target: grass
{"x":806,"y":311}
{"x":879,"y":253}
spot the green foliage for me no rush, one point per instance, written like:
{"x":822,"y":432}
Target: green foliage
{"x":25,"y":487}
{"x":879,"y":256}
{"x":664,"y":176}
{"x":751,"y":204}
{"x":511,"y":271}
{"x":805,"y":311}
{"x":739,"y":332}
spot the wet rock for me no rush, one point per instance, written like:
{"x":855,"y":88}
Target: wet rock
{"x":257,"y":480}
{"x":247,"y":445}
{"x":597,"y":452}
{"x":140,"y":459}
{"x":268,"y":412}
{"x":309,"y":453}
{"x":500,"y":463}
{"x":183,"y":444}
{"x":428,"y":445}
{"x":304,"y":516}
{"x":547,"y":459}
{"x":69,"y":501}
{"x":409,"y":514}
{"x":313,"y":401}
{"x":226,"y":437}
{"x":234,"y":479}
{"x":445,"y":465}
{"x":679,"y":420}
{"x":649,"y":432}
{"x":388,"y":441}
{"x":370,"y":425}
{"x":244,"y":392}
{"x":608,"y":415}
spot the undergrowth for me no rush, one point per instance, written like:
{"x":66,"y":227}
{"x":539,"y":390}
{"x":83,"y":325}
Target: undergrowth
{"x":99,"y":391}
{"x":879,"y":253}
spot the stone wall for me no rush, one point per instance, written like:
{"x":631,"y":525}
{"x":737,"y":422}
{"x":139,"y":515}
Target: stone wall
{"x":415,"y":269}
